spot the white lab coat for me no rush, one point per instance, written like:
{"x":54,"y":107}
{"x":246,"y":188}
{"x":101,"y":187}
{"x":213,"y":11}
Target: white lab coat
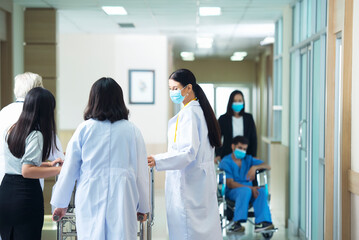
{"x":109,"y":162}
{"x":191,"y":200}
{"x":8,"y":117}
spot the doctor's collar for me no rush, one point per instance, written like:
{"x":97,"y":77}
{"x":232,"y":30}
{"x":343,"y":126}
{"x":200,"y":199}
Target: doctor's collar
{"x":20,"y":100}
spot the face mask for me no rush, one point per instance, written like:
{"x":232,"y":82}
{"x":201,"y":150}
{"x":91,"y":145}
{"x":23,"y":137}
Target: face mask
{"x":176,"y":96}
{"x":237,"y":106}
{"x":239,"y":154}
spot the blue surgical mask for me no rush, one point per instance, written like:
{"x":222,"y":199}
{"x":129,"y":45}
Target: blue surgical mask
{"x":239,"y":154}
{"x":237,"y":106}
{"x":176,"y":96}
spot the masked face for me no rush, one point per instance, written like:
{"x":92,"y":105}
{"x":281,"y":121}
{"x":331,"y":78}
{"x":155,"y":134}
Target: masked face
{"x":237,"y":106}
{"x":239,"y":153}
{"x":176,"y":96}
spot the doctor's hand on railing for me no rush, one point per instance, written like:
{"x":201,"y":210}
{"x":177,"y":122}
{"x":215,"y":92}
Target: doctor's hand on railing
{"x":58,"y":214}
{"x":141,"y":217}
{"x":151,"y":161}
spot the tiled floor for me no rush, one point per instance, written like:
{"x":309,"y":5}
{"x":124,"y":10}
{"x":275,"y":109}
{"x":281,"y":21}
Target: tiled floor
{"x":160,"y":232}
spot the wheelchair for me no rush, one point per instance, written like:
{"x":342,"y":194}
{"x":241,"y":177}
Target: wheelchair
{"x":66,"y":227}
{"x":226,"y":206}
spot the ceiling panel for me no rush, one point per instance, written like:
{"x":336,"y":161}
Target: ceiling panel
{"x":242,"y":25}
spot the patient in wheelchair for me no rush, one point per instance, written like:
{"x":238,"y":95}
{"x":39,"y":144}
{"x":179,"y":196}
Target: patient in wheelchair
{"x":240,"y":170}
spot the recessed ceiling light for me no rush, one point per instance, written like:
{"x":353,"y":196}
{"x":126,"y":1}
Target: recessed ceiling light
{"x":267,"y":40}
{"x":111,"y":10}
{"x":209,"y":11}
{"x":240,"y":54}
{"x":237,"y":58}
{"x":187,"y":56}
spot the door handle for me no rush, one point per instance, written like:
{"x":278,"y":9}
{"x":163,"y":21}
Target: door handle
{"x":300,"y":144}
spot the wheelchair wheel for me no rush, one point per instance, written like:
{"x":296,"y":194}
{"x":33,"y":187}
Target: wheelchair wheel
{"x":267,"y":235}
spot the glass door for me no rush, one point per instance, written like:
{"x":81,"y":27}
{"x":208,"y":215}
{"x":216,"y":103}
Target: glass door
{"x":308,"y":149}
{"x":303,"y":141}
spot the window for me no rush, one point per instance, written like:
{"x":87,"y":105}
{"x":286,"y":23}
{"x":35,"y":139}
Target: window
{"x":218,"y":96}
{"x":277,"y":82}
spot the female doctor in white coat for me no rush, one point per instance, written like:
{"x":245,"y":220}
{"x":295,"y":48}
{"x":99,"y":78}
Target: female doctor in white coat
{"x":191,"y":200}
{"x":107,"y":157}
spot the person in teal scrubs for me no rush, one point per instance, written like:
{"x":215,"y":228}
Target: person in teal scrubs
{"x":240,"y":171}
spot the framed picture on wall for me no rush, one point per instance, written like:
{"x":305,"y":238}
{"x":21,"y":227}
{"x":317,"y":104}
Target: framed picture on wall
{"x":142,"y":86}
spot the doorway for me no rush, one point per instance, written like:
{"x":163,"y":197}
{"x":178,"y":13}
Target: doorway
{"x":307,"y":138}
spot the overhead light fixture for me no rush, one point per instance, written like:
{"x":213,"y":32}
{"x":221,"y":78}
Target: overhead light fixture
{"x":187,"y":56}
{"x":112,"y":10}
{"x":209,"y":11}
{"x":241,"y":54}
{"x":238,"y":56}
{"x":204,"y":42}
{"x":267,"y":40}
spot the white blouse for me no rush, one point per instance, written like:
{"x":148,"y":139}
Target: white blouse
{"x":237,"y":124}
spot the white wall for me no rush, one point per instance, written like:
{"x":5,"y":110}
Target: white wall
{"x":355,"y":120}
{"x":84,"y":58}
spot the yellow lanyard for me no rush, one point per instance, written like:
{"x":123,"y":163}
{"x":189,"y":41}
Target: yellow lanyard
{"x":178,"y":117}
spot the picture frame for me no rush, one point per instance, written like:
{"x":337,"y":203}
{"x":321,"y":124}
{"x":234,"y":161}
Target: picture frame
{"x":141,"y":86}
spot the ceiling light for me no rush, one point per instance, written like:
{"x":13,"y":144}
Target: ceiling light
{"x":187,"y":56}
{"x":204,"y":42}
{"x":109,"y":10}
{"x":240,"y":54}
{"x":237,"y":58}
{"x":267,"y":40}
{"x":209,"y":11}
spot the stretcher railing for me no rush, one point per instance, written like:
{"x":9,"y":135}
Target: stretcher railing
{"x":66,"y":227}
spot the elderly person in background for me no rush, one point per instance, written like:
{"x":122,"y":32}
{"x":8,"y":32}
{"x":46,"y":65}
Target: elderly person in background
{"x":11,"y":113}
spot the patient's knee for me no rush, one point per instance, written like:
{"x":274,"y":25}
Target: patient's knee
{"x":244,"y":193}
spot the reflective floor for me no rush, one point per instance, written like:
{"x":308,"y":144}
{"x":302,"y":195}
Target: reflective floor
{"x":160,"y":232}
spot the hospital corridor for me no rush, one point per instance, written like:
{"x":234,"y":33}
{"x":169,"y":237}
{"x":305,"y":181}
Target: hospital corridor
{"x":179,"y":119}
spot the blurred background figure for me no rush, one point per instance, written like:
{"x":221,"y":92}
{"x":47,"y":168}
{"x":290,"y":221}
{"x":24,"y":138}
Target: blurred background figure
{"x":236,"y":122}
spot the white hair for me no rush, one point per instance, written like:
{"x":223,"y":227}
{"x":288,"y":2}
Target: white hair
{"x":25,"y":82}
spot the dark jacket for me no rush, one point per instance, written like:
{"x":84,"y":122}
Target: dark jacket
{"x":249,"y":130}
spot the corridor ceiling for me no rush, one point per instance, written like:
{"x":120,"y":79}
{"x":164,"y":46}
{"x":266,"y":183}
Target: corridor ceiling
{"x":240,"y":27}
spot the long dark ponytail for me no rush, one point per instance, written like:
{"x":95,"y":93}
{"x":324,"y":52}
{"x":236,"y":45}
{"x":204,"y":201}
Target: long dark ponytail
{"x":37,"y":114}
{"x":185,"y":77}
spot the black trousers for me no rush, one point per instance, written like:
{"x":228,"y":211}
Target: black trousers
{"x":21,"y":208}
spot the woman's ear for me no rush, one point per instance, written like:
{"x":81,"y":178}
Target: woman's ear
{"x":189,"y":88}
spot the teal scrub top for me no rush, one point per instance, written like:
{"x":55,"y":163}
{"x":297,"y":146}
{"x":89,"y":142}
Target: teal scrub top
{"x":238,"y":174}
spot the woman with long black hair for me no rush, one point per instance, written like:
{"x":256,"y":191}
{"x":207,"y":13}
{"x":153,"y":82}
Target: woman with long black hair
{"x":191,"y":200}
{"x":236,"y":122}
{"x":27,"y":145}
{"x":107,"y":157}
